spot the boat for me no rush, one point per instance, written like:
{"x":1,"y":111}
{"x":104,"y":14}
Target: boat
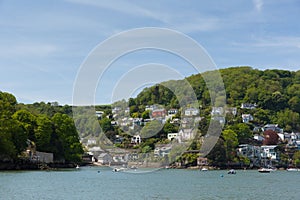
{"x":118,"y":169}
{"x":77,"y":167}
{"x":292,"y":169}
{"x":266,"y":170}
{"x":232,"y":171}
{"x":204,"y":169}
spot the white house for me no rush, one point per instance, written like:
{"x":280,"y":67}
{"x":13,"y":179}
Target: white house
{"x":172,"y":136}
{"x":269,"y":152}
{"x":186,"y":134}
{"x":258,"y":137}
{"x":247,"y":118}
{"x":136,"y":139}
{"x":99,"y":114}
{"x":191,"y":112}
{"x":248,"y":106}
{"x":249,"y":151}
{"x":217,"y":111}
{"x":91,"y":141}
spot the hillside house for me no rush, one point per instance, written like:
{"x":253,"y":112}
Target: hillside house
{"x":104,"y":159}
{"x":158,"y":113}
{"x":191,"y":112}
{"x":247,"y":118}
{"x":249,"y":106}
{"x":172,"y":136}
{"x":269,"y":152}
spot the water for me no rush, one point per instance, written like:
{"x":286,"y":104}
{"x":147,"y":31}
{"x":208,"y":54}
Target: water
{"x":101,"y":183}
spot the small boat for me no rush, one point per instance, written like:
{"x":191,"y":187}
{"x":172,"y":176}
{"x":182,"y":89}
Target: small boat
{"x":204,"y":169}
{"x":292,"y":169}
{"x":118,"y":169}
{"x":232,"y":171}
{"x":266,"y":170}
{"x":77,"y":167}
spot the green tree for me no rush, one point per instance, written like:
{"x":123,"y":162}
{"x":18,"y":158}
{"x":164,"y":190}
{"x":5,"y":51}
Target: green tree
{"x":230,"y":143}
{"x":27,"y":121}
{"x":43,"y":133}
{"x":67,"y":135}
{"x":243,"y":132}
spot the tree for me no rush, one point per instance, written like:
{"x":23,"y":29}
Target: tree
{"x":43,"y":133}
{"x":230,"y":143}
{"x":68,"y":137}
{"x":296,"y":158}
{"x":243,"y":132}
{"x":105,"y":124}
{"x":27,"y":121}
{"x":271,"y":138}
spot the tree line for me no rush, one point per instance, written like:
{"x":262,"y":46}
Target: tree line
{"x":48,"y":126}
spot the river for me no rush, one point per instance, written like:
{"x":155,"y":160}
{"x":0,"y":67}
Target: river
{"x":101,"y":183}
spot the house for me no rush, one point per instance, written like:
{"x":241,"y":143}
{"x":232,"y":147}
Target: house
{"x":162,"y":150}
{"x":91,"y":141}
{"x":172,"y":111}
{"x":119,"y":159}
{"x":217,"y":111}
{"x":95,"y":151}
{"x":247,"y":118}
{"x":172,"y":136}
{"x":232,"y":110}
{"x":119,"y":139}
{"x":186,"y":134}
{"x":44,"y":157}
{"x":116,"y":110}
{"x":269,"y":152}
{"x":136,"y":139}
{"x":273,"y":127}
{"x":87,"y":158}
{"x":258,"y":137}
{"x":249,"y":151}
{"x":104,"y":159}
{"x":248,"y":106}
{"x":202,"y":161}
{"x":191,"y":112}
{"x":151,"y":108}
{"x":99,"y":114}
{"x":158,"y":113}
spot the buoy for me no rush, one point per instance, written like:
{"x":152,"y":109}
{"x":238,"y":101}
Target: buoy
{"x":98,"y":171}
{"x":222,"y":175}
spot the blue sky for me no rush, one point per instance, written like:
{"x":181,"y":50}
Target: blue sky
{"x":44,"y":43}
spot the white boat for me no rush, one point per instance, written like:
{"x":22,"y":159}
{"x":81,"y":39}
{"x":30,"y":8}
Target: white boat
{"x":118,"y":169}
{"x":77,"y":167}
{"x":204,"y":169}
{"x":292,"y":169}
{"x":266,"y":170}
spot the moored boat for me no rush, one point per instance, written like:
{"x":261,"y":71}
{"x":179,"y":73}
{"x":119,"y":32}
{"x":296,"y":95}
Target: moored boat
{"x":204,"y":169}
{"x":292,"y":169}
{"x":232,"y":171}
{"x":266,"y":170}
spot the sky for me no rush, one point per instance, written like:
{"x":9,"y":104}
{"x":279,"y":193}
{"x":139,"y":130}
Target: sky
{"x":44,"y":44}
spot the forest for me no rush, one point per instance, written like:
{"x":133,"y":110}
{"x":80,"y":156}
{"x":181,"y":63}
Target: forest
{"x":48,"y":126}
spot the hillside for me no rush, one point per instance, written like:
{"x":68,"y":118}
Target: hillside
{"x":276,"y":93}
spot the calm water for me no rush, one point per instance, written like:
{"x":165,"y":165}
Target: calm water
{"x":87,"y":183}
